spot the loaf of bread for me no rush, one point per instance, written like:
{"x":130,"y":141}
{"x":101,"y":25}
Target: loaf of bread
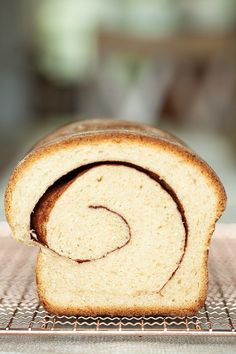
{"x":123,"y":214}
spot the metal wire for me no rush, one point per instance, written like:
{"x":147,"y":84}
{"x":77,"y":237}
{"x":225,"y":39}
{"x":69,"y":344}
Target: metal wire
{"x":21,"y":313}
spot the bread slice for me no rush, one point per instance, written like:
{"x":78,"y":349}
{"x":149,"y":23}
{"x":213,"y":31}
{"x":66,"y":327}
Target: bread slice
{"x":123,"y":214}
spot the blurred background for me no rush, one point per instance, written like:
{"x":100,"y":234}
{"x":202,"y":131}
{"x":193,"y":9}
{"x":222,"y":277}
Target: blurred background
{"x":168,"y":63}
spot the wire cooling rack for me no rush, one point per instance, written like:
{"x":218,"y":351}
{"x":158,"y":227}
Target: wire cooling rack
{"x":21,"y":313}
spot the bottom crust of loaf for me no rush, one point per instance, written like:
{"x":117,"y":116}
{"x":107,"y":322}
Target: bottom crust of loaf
{"x":70,"y":308}
{"x":119,"y":311}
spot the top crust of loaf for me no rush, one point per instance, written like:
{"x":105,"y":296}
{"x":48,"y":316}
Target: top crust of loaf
{"x":100,"y":125}
{"x":99,"y":130}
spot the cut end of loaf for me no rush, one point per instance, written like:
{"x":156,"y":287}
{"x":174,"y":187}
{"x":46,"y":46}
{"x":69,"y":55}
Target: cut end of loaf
{"x":123,"y":214}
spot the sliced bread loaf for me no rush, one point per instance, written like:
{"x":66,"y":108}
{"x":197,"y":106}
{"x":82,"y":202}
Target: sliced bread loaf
{"x":123,"y":214}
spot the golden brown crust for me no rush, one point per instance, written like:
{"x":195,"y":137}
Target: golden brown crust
{"x":99,"y":125}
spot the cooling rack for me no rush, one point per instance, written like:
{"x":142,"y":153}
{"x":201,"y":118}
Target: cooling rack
{"x":21,"y":313}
